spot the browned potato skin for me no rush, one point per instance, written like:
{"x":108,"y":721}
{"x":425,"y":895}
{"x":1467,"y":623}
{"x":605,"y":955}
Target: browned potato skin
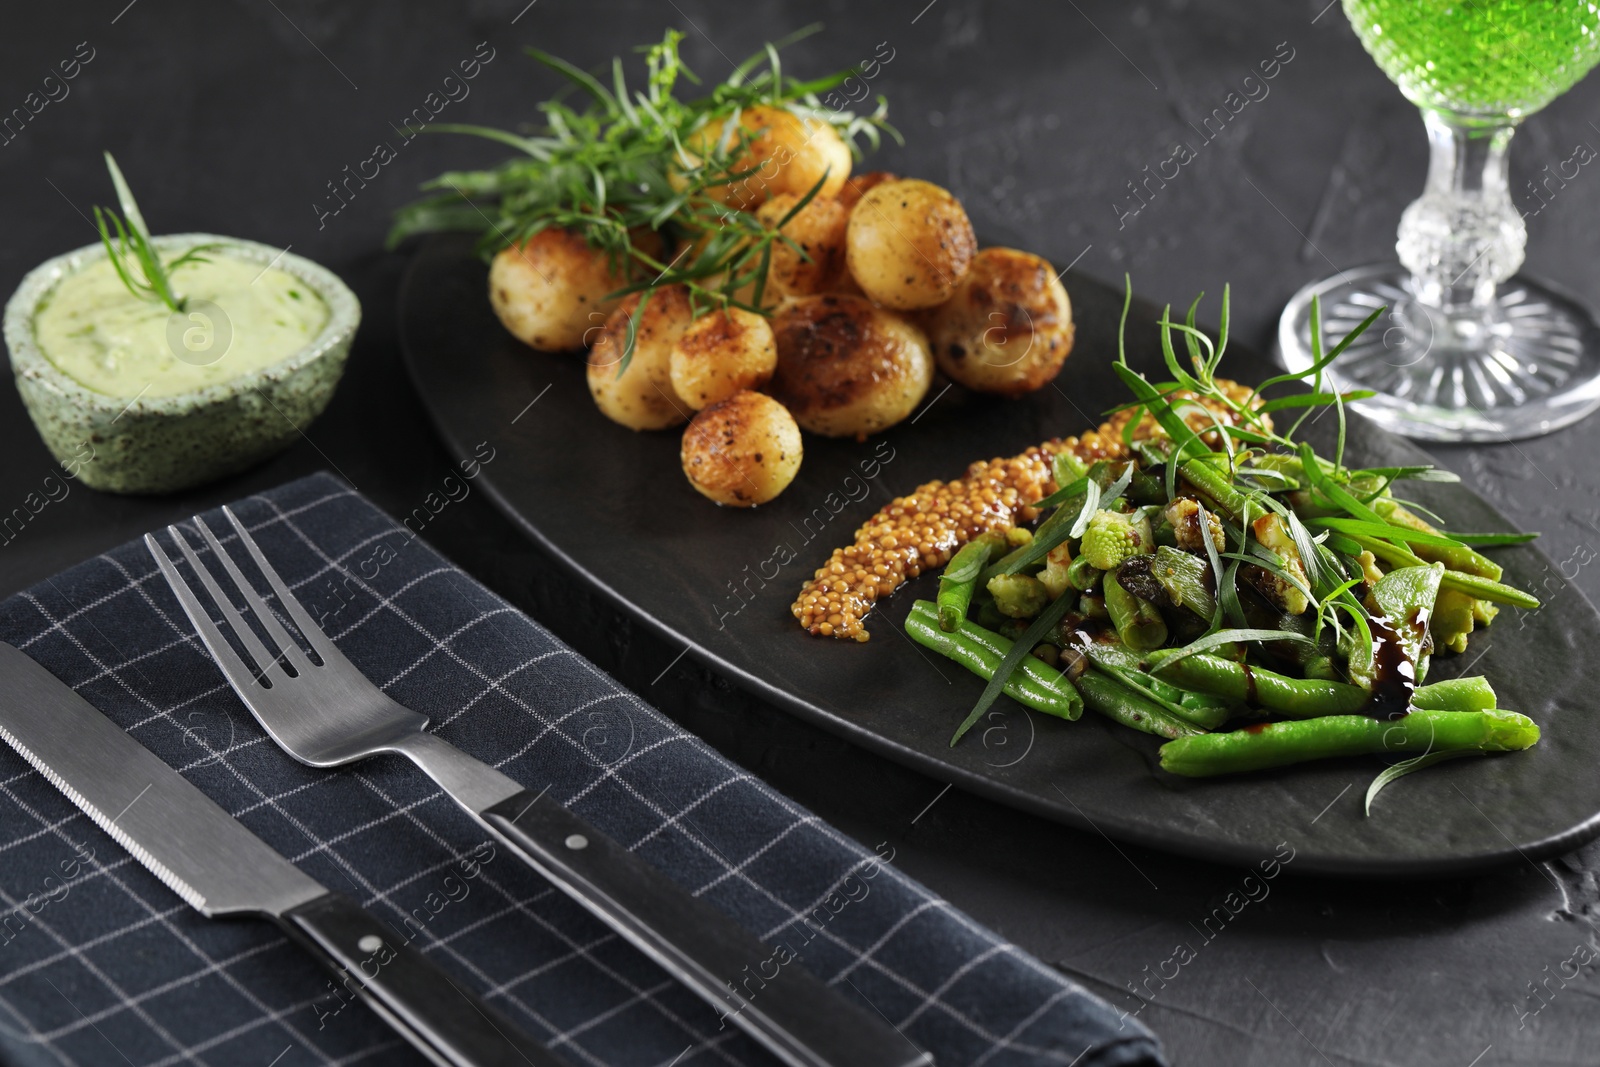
{"x":552,"y":289}
{"x":909,"y":244}
{"x":857,"y":185}
{"x":720,"y":354}
{"x":642,"y":398}
{"x":790,"y":154}
{"x":819,"y":229}
{"x":847,"y":368}
{"x":1007,"y":329}
{"x":742,"y":451}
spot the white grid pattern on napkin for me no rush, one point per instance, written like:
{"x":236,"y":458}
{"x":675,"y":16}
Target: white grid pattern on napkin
{"x":622,"y":996}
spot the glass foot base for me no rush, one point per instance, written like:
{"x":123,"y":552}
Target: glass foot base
{"x":1528,"y":365}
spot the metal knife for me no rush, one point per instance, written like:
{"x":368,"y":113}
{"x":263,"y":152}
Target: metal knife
{"x":222,"y":869}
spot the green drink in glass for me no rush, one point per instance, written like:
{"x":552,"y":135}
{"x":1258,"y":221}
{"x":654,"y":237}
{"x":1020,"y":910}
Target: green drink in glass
{"x":1469,"y":350}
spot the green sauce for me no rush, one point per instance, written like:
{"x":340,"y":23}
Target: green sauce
{"x":110,"y":341}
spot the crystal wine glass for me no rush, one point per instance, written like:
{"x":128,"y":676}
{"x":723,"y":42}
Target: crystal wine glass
{"x":1469,"y":350}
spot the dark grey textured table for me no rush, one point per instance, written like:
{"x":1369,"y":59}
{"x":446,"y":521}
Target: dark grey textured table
{"x":234,"y":117}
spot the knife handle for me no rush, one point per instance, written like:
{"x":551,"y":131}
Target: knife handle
{"x":445,"y":1022}
{"x":761,"y":990}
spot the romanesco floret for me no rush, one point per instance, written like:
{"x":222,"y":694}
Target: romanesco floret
{"x":1111,"y":538}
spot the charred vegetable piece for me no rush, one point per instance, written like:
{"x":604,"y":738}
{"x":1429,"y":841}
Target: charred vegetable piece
{"x":1453,"y":620}
{"x":1184,"y":516}
{"x":1273,"y":535}
{"x":1057,"y":574}
{"x":1186,"y":579}
{"x":1019,"y":596}
{"x":1139,"y":623}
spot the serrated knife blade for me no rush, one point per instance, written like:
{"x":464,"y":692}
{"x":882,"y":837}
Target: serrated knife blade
{"x":178,"y":833}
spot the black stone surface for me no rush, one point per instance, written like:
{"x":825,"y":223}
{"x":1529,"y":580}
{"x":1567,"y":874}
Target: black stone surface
{"x":232,"y":116}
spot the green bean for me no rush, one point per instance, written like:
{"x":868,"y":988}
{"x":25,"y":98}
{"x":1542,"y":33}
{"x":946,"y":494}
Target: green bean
{"x":1300,"y":698}
{"x":1109,"y":697}
{"x":1143,"y":487}
{"x":1203,"y":709}
{"x":1283,"y":463}
{"x":1146,"y":488}
{"x":1104,"y":654}
{"x":1138,"y":621}
{"x":1034,"y":683}
{"x":1281,"y":743}
{"x":1230,"y":503}
{"x":1456,"y":694}
{"x":1126,"y":666}
{"x":1464,"y":559}
{"x":1320,"y":665}
{"x":987,"y":614}
{"x":1473,"y":585}
{"x":1083,"y":575}
{"x":960,"y":578}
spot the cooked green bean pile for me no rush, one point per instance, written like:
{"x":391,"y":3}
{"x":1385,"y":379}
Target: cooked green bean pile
{"x":1228,"y":589}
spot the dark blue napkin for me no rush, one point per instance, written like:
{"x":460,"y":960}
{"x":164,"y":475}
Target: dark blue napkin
{"x":101,"y":964}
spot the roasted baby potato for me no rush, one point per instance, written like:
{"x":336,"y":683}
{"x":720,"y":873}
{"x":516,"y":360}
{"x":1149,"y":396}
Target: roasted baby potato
{"x":742,"y":451}
{"x":641,"y":398}
{"x":721,"y":353}
{"x":847,"y":368}
{"x":1007,"y":328}
{"x":909,"y":244}
{"x":856,"y":186}
{"x":786,"y":154}
{"x":552,"y":289}
{"x":819,"y":230}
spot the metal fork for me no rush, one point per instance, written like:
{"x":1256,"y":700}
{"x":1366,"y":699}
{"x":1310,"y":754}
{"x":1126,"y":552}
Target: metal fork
{"x":328,"y":714}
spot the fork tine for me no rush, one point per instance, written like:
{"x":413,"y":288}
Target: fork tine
{"x":210,"y":634}
{"x":235,"y":619}
{"x":320,"y":642}
{"x":291,"y":648}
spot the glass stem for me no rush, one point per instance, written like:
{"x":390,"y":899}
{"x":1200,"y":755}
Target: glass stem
{"x":1462,"y":237}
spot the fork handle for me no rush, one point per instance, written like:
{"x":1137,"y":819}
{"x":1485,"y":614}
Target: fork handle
{"x":756,"y":988}
{"x":446,"y":1023}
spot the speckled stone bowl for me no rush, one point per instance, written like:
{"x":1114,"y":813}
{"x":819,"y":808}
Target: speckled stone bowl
{"x":165,"y":443}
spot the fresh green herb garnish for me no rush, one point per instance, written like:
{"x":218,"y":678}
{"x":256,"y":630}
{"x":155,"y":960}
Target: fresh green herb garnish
{"x":626,"y":165}
{"x":1405,"y":767}
{"x":133,"y":249}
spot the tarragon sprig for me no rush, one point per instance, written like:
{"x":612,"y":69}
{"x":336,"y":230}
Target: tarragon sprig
{"x":130,"y":249}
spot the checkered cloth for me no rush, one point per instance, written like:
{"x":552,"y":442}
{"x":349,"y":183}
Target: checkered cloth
{"x":101,"y":964}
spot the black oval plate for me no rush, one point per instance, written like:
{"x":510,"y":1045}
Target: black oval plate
{"x":614,"y":505}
